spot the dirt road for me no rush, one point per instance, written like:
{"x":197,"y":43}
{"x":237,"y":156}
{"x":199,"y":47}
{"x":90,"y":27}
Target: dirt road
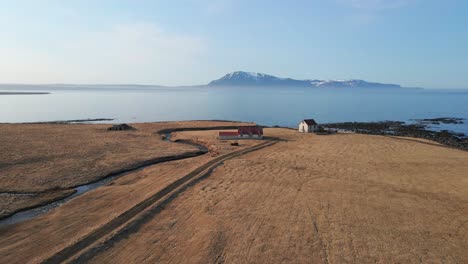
{"x":330,"y":199}
{"x":40,"y":163}
{"x":342,"y":198}
{"x":162,"y":198}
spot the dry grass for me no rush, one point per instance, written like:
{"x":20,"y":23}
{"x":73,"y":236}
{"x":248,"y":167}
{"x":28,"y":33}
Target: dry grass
{"x":42,"y":157}
{"x":55,"y":157}
{"x":312,"y":199}
{"x":209,"y":140}
{"x":316,"y":199}
{"x":38,"y":157}
{"x":34,"y":240}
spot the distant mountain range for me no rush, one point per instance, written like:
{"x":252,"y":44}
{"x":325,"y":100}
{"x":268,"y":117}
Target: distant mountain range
{"x":240,"y":78}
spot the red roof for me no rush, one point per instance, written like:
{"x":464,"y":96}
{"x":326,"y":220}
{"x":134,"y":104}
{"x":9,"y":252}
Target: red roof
{"x":251,"y":130}
{"x":229,"y":134}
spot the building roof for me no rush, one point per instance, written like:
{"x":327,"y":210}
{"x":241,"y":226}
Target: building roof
{"x":250,"y":130}
{"x":229,"y":133}
{"x":310,"y":122}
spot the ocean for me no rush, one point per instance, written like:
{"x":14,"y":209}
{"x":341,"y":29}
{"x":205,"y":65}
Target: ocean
{"x":283,"y":106}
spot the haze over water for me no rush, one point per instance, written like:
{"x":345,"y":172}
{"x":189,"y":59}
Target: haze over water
{"x":267,"y":106}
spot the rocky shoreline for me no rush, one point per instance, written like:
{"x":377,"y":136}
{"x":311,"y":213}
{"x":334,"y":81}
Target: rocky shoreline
{"x":440,"y":120}
{"x":416,"y":130}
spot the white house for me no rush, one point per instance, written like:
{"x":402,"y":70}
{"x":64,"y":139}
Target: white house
{"x":308,"y":126}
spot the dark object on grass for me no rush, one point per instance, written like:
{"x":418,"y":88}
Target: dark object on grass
{"x":121,"y":127}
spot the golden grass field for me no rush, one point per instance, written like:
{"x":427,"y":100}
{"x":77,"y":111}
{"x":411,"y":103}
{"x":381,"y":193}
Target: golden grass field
{"x":38,"y":157}
{"x":344,"y":198}
{"x":41,"y":162}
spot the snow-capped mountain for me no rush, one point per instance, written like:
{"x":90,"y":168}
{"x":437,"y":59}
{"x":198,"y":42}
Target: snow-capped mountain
{"x":240,"y":78}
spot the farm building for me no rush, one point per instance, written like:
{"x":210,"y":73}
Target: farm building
{"x":250,"y":132}
{"x":228,"y":135}
{"x":308,"y":126}
{"x":246,"y":132}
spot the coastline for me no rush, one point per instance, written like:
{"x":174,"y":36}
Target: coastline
{"x":419,"y":129}
{"x":321,"y":187}
{"x":23,"y":93}
{"x":395,"y":129}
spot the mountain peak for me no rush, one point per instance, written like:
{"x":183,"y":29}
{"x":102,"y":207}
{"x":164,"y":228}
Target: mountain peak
{"x":245,"y":75}
{"x":242,"y":78}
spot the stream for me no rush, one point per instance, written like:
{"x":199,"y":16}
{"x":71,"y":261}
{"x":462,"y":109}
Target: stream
{"x":79,"y":190}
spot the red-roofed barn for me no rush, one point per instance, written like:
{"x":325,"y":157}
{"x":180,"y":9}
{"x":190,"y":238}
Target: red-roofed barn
{"x":245,"y":132}
{"x":226,"y":135}
{"x":251,"y":132}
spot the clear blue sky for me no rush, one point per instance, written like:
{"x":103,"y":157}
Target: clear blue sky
{"x":420,"y":43}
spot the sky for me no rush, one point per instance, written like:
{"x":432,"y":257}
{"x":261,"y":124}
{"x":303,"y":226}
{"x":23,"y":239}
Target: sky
{"x":415,"y":43}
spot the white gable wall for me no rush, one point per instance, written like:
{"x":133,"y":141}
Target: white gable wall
{"x":304,"y":128}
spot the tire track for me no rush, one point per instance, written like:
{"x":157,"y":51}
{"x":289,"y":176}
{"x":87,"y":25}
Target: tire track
{"x":40,"y":209}
{"x":170,"y":192}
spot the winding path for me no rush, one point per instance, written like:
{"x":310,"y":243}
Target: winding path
{"x":40,"y":209}
{"x":122,"y":223}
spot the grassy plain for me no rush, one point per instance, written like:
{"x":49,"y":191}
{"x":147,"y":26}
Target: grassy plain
{"x":344,"y":198}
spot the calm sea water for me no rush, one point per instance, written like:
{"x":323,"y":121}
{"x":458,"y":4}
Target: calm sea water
{"x":267,"y":106}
